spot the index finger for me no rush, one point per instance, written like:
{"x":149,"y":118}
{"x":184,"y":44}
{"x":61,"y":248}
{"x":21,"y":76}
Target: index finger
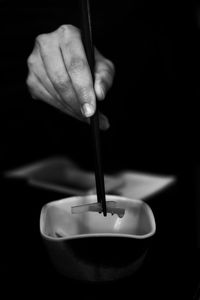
{"x":79,"y":72}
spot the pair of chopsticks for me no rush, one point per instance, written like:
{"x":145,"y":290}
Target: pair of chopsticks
{"x":86,"y":33}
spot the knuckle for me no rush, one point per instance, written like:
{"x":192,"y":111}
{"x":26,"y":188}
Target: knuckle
{"x":68,"y":30}
{"x":30,"y":81}
{"x":85,"y":94}
{"x":61,"y":82}
{"x":31,"y":86}
{"x":31,"y":61}
{"x":77,"y":64}
{"x":42,"y":40}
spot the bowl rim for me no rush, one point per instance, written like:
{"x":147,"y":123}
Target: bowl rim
{"x":92,"y":235}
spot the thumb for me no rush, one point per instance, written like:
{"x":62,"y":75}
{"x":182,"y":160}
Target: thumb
{"x":104,"y":75}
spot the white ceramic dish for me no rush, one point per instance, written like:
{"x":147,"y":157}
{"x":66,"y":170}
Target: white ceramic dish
{"x":75,"y":241}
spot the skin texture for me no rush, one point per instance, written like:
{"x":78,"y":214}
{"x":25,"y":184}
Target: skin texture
{"x":59,"y":74}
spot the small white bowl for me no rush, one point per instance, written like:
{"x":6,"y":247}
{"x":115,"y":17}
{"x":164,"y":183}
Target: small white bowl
{"x":89,"y":246}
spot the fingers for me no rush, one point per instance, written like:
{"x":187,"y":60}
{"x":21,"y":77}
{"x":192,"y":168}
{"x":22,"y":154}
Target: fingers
{"x":78,"y":70}
{"x":39,"y":91}
{"x":104,"y":75}
{"x":37,"y":68}
{"x":60,"y":75}
{"x":55,"y":69}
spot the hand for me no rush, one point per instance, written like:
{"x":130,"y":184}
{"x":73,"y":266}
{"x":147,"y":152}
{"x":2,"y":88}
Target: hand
{"x":59,"y":74}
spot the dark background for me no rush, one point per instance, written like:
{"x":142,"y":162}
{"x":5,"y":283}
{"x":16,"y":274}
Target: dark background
{"x":154,"y":116}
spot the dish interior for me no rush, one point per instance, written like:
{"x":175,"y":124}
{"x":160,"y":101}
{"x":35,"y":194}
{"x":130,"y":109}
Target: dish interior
{"x":57,"y":220}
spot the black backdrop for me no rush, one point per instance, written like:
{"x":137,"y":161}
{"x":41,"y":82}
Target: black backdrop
{"x":152,"y":106}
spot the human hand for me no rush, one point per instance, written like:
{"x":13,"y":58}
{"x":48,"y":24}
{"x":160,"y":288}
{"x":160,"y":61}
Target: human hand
{"x":59,"y":74}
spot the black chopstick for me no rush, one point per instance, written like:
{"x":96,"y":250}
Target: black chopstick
{"x":86,"y":33}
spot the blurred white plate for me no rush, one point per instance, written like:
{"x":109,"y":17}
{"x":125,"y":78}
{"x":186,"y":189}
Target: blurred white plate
{"x":62,"y":175}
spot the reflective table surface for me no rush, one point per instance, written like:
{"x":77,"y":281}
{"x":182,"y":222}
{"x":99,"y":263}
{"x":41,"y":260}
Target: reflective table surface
{"x":171,"y":267}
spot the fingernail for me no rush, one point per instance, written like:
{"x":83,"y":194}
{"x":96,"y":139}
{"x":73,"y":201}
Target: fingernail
{"x":87,"y":110}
